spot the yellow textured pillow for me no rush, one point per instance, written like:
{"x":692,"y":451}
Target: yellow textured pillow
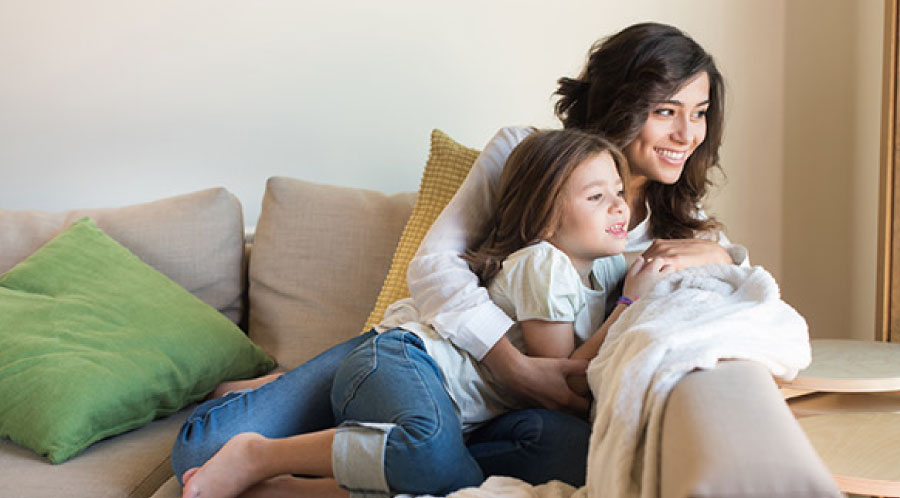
{"x":447,"y":167}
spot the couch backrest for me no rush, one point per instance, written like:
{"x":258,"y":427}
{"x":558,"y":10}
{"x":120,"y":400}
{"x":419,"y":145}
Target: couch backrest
{"x":320,"y":254}
{"x":195,"y":239}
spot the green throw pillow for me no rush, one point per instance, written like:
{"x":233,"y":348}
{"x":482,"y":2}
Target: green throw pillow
{"x":94,"y":342}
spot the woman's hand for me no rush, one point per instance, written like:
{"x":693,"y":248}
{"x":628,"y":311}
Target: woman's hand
{"x":643,"y":276}
{"x":539,"y":380}
{"x":684,"y":253}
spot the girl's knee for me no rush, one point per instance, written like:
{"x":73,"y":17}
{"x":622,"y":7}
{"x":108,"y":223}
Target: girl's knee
{"x":193,"y":447}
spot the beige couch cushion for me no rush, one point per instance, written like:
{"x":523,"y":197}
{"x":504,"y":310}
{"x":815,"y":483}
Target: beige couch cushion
{"x":132,"y":465}
{"x":171,"y":489}
{"x":195,"y":239}
{"x":320,"y":255}
{"x":727,"y":432}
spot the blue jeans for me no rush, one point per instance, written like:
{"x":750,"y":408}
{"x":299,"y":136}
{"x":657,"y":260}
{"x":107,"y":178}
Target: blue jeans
{"x":534,"y":445}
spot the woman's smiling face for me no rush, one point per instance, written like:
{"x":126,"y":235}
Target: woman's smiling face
{"x":674,"y":128}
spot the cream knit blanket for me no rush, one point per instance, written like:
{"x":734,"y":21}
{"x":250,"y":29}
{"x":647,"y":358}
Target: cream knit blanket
{"x":691,"y":320}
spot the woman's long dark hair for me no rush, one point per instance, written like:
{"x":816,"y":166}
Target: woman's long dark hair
{"x":625,"y":76}
{"x":528,"y":206}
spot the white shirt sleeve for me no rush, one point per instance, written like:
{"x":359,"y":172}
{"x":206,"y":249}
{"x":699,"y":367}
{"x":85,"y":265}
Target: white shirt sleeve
{"x":444,"y":289}
{"x":738,"y":253}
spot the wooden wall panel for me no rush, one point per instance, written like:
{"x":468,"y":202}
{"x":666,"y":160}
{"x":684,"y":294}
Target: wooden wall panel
{"x":888,"y":305}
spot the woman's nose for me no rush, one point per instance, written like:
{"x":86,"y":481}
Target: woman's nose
{"x":686,"y":131}
{"x":681,"y":129}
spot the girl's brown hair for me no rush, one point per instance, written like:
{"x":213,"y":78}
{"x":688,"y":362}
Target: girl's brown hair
{"x":625,"y":76}
{"x":528,"y":206}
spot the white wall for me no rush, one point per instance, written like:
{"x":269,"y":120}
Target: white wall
{"x":108,"y":102}
{"x":111,"y":102}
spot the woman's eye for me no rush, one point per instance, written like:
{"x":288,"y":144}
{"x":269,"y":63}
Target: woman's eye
{"x":595,"y":197}
{"x":665,"y":112}
{"x":621,"y":193}
{"x":701,"y":114}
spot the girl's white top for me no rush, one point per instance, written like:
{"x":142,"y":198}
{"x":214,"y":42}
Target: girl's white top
{"x":537,"y":282}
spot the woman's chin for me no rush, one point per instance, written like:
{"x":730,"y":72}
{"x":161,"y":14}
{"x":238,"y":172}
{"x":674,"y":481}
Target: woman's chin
{"x":669,"y":177}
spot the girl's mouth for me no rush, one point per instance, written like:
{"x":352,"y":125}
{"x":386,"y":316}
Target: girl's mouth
{"x":619,"y":230}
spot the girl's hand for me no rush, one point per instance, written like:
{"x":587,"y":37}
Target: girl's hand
{"x":643,"y":276}
{"x":684,"y":253}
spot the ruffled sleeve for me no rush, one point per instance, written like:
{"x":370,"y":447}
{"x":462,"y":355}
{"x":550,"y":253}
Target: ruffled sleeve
{"x":538,"y":282}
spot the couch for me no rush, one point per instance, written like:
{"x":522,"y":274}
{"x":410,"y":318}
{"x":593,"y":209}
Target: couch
{"x":307,"y":279}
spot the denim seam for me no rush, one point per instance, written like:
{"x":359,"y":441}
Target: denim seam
{"x":403,"y":345}
{"x":224,"y":404}
{"x":434,"y":408}
{"x":362,"y":378}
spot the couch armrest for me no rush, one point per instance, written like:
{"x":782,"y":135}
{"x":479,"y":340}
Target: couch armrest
{"x":727,"y":432}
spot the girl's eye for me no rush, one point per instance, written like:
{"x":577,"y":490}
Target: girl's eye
{"x":621,"y":193}
{"x":595,"y":197}
{"x":701,"y":114}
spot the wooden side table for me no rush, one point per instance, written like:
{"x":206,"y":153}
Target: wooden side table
{"x":840,"y":365}
{"x":862,"y":450}
{"x":852,"y":418}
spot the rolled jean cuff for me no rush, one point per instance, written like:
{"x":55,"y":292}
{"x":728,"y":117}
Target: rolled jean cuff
{"x":357,"y":458}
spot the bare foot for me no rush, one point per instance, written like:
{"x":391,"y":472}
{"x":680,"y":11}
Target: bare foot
{"x":236,"y":385}
{"x":229,"y":472}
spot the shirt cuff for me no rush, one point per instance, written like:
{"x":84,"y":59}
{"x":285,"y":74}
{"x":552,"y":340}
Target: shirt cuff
{"x":483,"y":327}
{"x":739,"y":254}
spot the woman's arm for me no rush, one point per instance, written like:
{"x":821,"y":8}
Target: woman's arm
{"x":709,"y":248}
{"x":446,"y":293}
{"x":684,"y":253}
{"x":542,"y":380}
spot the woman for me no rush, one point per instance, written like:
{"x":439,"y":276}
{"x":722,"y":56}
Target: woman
{"x":659,"y":97}
{"x":656,"y":94}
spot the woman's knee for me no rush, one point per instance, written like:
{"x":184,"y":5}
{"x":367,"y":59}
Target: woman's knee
{"x":534,"y":445}
{"x":553,"y":430}
{"x":429,"y":462}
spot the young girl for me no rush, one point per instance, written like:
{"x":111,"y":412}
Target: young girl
{"x":551,"y":257}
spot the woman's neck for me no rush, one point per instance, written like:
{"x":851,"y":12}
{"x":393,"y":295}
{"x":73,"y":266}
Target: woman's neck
{"x":637,"y":190}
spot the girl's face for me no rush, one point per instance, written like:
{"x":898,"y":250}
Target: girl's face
{"x":594,"y":218}
{"x":673,"y":130}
